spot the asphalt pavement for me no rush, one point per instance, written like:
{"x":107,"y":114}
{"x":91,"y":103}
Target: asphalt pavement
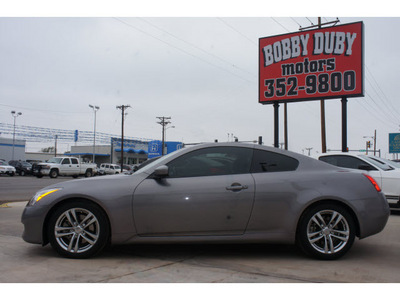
{"x":375,"y":259}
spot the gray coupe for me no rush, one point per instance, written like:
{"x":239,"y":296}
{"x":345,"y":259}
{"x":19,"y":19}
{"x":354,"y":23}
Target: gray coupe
{"x":212,"y":193}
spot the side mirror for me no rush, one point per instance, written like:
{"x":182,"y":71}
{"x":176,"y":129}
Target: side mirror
{"x":161,"y":171}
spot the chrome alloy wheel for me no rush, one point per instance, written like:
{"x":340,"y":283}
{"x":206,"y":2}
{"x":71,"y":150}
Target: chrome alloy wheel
{"x":77,"y":230}
{"x":328,"y":231}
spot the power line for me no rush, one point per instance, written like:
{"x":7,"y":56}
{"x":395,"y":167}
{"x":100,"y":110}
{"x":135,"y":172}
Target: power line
{"x":181,"y":50}
{"x":381,"y":91}
{"x":195,"y":46}
{"x":280,"y":24}
{"x":234,"y":29}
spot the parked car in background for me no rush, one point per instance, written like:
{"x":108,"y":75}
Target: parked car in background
{"x":109,"y":169}
{"x":392,"y":163}
{"x":387,"y":176}
{"x":22,"y":167}
{"x":145,"y":163}
{"x":220,"y":192}
{"x":5,"y":168}
{"x":64,"y":166}
{"x":127,"y":169}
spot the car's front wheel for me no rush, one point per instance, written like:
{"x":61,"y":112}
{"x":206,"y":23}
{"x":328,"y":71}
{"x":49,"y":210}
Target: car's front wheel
{"x":326,"y":231}
{"x":53,"y":173}
{"x":88,"y":173}
{"x":78,"y":229}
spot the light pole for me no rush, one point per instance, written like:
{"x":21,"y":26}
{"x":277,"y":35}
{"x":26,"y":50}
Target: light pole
{"x":95,"y":109}
{"x":166,"y":131}
{"x":15,"y":115}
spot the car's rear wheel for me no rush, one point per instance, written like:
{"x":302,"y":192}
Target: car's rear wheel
{"x":326,"y":231}
{"x":88,"y":173}
{"x":78,"y":230}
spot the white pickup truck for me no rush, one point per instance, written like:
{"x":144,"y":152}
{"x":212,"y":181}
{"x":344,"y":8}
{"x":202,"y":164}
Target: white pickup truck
{"x":64,"y":166}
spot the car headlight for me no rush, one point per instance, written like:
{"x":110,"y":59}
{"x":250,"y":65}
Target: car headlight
{"x":41,"y":194}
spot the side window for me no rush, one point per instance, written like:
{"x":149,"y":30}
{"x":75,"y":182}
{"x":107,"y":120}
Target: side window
{"x":211,"y":162}
{"x":343,"y":161}
{"x":265,"y":161}
{"x":65,"y":161}
{"x":74,"y":161}
{"x":332,"y":160}
{"x":352,"y":162}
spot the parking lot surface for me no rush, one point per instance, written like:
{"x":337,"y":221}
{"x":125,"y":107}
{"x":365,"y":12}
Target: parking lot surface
{"x":375,"y":259}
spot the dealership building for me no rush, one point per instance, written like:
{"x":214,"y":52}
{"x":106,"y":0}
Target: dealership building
{"x":134,"y":151}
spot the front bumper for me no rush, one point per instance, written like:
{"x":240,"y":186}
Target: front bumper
{"x":33,"y":219}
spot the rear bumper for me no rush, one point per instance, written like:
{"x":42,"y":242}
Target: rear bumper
{"x":394,"y":201}
{"x":376,"y":215}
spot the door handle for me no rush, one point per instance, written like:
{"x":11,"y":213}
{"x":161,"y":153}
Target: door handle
{"x":236,"y":187}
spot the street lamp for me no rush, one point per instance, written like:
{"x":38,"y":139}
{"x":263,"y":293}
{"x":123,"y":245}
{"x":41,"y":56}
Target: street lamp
{"x":166,"y":131}
{"x":15,"y":115}
{"x":95,"y":109}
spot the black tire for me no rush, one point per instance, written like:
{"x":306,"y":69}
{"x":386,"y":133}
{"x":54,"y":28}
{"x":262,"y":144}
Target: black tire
{"x":53,"y":173}
{"x":22,"y":173}
{"x":326,"y":231}
{"x":39,"y":175}
{"x":78,"y":240}
{"x":88,"y":173}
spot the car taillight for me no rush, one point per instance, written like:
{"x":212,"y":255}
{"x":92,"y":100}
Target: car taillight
{"x":374,"y":183}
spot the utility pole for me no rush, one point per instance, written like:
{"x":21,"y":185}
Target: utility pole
{"x":164,"y":121}
{"x":309,"y":151}
{"x":322,"y":102}
{"x":122,"y":108}
{"x":375,"y":143}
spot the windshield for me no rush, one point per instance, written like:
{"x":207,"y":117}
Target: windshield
{"x":159,"y":160}
{"x":392,"y":163}
{"x":378,"y":163}
{"x":55,"y":160}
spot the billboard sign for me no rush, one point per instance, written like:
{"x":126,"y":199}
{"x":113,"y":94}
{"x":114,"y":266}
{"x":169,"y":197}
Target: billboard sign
{"x":394,"y":142}
{"x":311,"y":65}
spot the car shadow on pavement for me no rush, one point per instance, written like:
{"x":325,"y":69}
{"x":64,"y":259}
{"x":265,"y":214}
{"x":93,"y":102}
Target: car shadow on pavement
{"x":185,"y":251}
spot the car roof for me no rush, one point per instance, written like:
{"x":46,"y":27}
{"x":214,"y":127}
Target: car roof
{"x":306,"y":162}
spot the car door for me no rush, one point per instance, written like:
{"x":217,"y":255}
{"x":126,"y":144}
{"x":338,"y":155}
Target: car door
{"x":207,"y":192}
{"x":66,"y":167}
{"x":390,"y":178}
{"x":75,"y":166}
